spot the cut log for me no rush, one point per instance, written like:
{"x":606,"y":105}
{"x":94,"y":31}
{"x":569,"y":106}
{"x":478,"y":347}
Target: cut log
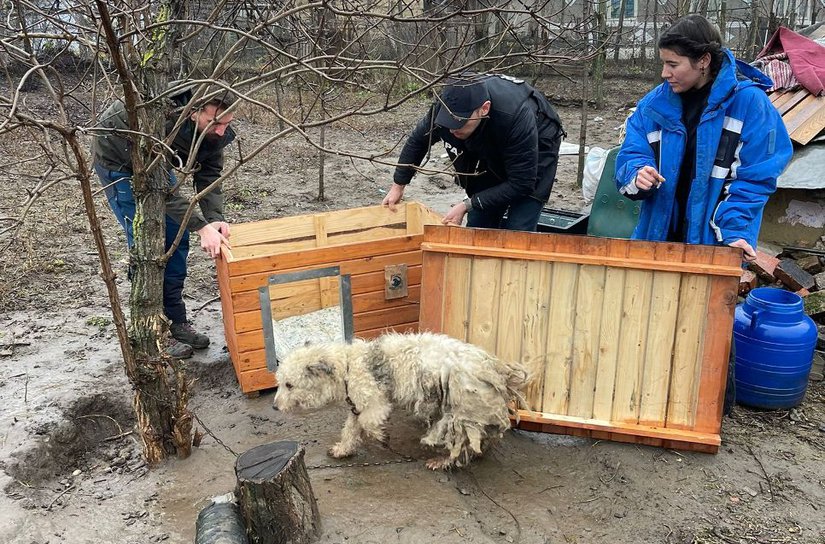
{"x":275,"y":495}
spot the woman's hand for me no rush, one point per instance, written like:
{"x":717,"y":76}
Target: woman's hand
{"x":648,"y":177}
{"x":750,"y":254}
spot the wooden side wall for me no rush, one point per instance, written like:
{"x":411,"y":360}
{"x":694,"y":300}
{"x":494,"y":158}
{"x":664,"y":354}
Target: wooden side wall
{"x":621,"y":337}
{"x":364,"y":255}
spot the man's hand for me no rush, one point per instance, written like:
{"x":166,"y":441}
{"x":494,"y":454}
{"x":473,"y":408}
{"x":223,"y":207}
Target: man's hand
{"x":750,"y":254}
{"x":648,"y":177}
{"x":212,"y":239}
{"x":394,"y":196}
{"x":456,"y":215}
{"x":223,"y":228}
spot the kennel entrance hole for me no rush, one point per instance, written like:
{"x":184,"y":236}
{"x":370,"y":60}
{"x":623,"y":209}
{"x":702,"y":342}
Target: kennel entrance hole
{"x":306,"y":306}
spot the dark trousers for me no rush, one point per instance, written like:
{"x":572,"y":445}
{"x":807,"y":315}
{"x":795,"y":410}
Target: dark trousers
{"x":118,"y":189}
{"x":522,"y":214}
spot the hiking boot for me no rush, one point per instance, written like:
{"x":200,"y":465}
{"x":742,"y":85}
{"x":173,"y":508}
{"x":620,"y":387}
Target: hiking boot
{"x":186,"y":334}
{"x":178,"y":350}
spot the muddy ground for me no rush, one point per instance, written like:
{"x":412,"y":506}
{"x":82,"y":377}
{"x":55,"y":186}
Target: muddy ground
{"x":71,"y":465}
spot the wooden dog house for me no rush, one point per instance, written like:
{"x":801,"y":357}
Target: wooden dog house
{"x":373,"y":245}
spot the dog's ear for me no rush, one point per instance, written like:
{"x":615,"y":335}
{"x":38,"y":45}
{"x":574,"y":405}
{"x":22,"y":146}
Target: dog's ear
{"x":319,"y":368}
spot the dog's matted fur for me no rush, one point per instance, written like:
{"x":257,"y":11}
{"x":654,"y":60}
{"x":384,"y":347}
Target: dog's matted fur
{"x":463,"y":393}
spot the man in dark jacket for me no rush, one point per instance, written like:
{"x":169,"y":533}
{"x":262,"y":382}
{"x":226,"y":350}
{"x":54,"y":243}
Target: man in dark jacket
{"x":503,"y":139}
{"x":113,"y":163}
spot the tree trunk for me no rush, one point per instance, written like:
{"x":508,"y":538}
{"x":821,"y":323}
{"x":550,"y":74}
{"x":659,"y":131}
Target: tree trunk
{"x":583,"y":133}
{"x":160,"y":385}
{"x":723,"y":13}
{"x":599,"y":61}
{"x":275,"y":495}
{"x":619,"y":30}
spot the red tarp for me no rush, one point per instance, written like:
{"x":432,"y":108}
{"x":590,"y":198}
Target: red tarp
{"x":807,"y":58}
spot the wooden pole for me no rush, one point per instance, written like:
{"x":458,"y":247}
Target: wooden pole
{"x":275,"y":495}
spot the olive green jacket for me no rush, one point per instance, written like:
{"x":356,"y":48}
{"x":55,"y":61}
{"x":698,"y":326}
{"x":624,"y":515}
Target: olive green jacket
{"x":111,"y":149}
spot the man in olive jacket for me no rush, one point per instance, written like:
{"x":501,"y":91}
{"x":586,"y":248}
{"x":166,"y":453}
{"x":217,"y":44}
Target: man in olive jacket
{"x":503,"y":139}
{"x":111,"y":147}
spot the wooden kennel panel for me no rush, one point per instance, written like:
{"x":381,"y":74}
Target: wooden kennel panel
{"x":626,"y":340}
{"x":362,"y":242}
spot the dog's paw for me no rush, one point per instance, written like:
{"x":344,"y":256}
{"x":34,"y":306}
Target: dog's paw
{"x":439,"y":463}
{"x":338,"y":451}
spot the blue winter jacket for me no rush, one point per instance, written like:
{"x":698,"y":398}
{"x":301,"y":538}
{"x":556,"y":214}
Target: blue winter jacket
{"x":741,"y":148}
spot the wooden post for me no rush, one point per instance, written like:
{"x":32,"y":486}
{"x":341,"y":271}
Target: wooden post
{"x":275,"y":495}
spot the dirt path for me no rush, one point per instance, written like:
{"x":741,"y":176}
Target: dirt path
{"x":71,"y":469}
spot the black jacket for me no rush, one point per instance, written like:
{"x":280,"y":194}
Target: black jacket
{"x":502,"y":152}
{"x":111,"y":149}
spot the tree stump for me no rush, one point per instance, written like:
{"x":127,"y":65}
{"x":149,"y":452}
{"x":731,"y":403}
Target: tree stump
{"x":275,"y":495}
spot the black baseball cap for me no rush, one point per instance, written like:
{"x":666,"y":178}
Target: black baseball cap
{"x":459,"y":99}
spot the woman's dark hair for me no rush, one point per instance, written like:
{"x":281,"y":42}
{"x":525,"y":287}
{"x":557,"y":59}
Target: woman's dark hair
{"x":692,"y":36}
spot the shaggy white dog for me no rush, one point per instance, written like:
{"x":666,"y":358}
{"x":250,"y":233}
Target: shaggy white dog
{"x":463,"y":393}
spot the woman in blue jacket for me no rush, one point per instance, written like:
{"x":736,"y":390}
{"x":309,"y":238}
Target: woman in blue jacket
{"x":704,"y":148}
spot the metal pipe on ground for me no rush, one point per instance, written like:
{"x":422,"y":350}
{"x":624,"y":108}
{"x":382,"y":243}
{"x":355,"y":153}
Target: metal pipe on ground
{"x":221,"y":522}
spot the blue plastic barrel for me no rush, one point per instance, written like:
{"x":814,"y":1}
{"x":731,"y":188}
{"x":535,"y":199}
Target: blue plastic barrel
{"x":775,"y":343}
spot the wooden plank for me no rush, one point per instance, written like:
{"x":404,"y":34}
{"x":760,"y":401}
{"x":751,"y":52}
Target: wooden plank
{"x":456,"y":316}
{"x":632,"y":340}
{"x":320,"y":222}
{"x":610,"y":327}
{"x":227,"y":307}
{"x":262,"y":250}
{"x":485,"y":288}
{"x":250,"y":341}
{"x":586,"y":338}
{"x":403,"y":328}
{"x":797,"y":97}
{"x":415,"y":218}
{"x":367,"y":302}
{"x":534,"y":333}
{"x":371,"y":282}
{"x":560,"y":337}
{"x":599,"y":260}
{"x":457,"y":277}
{"x":388,"y":317}
{"x":685,"y":368}
{"x":510,"y":321}
{"x":290,"y":228}
{"x":353,"y":265}
{"x":809,"y":123}
{"x":311,"y":258}
{"x":330,"y":288}
{"x":633,"y":429}
{"x":257,"y":380}
{"x":250,"y":360}
{"x":718,"y":335}
{"x":780,"y":98}
{"x":802,"y":107}
{"x":620,"y":437}
{"x":431,"y":313}
{"x":374,"y":281}
{"x":664,"y":307}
